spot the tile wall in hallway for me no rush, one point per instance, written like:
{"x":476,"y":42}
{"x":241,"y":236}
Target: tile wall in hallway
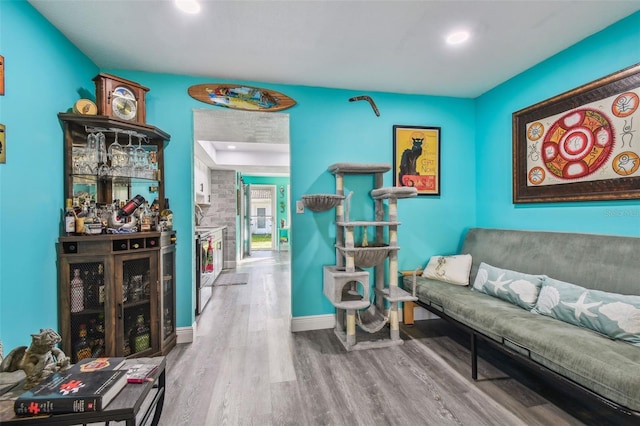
{"x":222,"y":211}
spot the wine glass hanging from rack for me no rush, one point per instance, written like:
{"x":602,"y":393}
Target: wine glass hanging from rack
{"x":118,"y":161}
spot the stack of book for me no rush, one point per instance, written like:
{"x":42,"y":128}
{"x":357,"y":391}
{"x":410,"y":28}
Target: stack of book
{"x":140,"y":373}
{"x":87,"y":386}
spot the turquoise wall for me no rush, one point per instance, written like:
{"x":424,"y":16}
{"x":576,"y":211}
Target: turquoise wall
{"x":615,"y":48}
{"x":325,"y":128}
{"x":282,"y":210}
{"x":328,"y":129}
{"x":44,"y":74}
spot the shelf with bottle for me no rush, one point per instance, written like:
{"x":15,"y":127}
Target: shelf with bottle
{"x":137,"y":338}
{"x":105,"y":157}
{"x":129,"y":280}
{"x":85,"y":217}
{"x":90,"y":338}
{"x":87,"y":301}
{"x":87,"y":288}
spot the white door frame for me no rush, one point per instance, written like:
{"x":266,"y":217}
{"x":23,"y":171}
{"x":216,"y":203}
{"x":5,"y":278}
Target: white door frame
{"x":274,"y":213}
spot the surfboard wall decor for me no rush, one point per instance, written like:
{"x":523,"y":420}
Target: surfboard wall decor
{"x":246,"y":98}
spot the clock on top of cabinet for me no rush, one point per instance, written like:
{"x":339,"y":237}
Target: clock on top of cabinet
{"x":120,"y":98}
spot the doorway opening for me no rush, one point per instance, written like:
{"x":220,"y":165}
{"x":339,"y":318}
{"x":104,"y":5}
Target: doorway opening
{"x":262,"y":218}
{"x":237,"y":151}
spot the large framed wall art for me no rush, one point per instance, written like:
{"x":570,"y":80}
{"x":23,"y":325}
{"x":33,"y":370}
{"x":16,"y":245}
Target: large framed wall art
{"x":581,"y":145}
{"x":416,"y":158}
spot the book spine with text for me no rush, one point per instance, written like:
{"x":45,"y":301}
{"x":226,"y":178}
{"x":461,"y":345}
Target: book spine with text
{"x":38,"y":407}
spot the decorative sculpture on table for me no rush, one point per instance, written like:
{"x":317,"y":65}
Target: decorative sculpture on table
{"x":38,"y":361}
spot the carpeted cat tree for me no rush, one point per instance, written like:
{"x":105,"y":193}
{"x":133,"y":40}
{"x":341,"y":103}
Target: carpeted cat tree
{"x":346,"y":284}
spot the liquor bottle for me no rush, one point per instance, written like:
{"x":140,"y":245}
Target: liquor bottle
{"x":141,"y":336}
{"x":91,"y":213}
{"x":100,"y":282}
{"x":131,"y":206}
{"x":98,"y":349}
{"x":145,"y":218}
{"x":80,"y":218}
{"x":77,"y":292}
{"x":92,"y":333}
{"x":91,"y":293}
{"x":209,"y":263}
{"x":69,"y":218}
{"x":82,"y":349}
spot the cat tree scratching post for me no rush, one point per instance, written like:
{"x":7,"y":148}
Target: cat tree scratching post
{"x":346,"y":284}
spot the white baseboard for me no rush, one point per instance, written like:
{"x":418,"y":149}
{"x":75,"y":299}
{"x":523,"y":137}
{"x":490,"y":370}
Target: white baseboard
{"x":313,"y":322}
{"x":186,"y":334}
{"x":306,"y":323}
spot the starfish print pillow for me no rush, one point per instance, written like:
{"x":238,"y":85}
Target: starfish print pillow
{"x":614,"y":315}
{"x":516,"y":287}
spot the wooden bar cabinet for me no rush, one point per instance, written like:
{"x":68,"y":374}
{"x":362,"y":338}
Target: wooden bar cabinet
{"x":116,"y":290}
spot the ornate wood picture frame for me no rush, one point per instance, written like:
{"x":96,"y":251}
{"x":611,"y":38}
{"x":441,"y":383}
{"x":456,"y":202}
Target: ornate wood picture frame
{"x":580,"y":145}
{"x":416,"y":158}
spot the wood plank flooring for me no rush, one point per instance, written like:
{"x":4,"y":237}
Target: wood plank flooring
{"x":247,"y":368}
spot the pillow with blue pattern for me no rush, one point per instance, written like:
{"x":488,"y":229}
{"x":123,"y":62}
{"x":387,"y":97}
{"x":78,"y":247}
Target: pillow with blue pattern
{"x":516,"y":287}
{"x":614,"y":315}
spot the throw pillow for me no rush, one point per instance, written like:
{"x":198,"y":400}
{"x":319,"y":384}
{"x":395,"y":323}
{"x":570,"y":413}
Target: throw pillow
{"x":450,"y":269}
{"x":515,"y":287}
{"x":614,"y":315}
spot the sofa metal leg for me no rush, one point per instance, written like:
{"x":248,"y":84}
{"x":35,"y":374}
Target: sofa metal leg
{"x":474,"y":356}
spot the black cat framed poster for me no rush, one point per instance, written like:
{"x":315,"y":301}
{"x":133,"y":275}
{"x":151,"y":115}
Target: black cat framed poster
{"x":416,"y":158}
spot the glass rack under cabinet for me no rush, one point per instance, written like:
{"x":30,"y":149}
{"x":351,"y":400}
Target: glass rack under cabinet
{"x":108,"y":159}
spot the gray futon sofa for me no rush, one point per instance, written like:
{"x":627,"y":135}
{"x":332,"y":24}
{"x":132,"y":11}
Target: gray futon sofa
{"x":606,"y":368}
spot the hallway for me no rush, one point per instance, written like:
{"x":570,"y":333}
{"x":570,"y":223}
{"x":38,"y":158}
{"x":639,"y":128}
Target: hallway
{"x":243,"y":346}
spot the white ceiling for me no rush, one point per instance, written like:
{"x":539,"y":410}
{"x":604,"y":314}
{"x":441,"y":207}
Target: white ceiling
{"x":255,"y":143}
{"x":389,"y":46}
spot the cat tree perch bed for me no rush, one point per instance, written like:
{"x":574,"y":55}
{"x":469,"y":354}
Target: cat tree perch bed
{"x":321,"y":202}
{"x":346,"y":284}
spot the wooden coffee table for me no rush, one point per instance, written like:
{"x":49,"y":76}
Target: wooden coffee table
{"x":136,"y":404}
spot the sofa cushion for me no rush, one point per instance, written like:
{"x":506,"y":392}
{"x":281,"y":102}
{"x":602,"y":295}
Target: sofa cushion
{"x":608,"y":367}
{"x":476,"y":310}
{"x":599,"y":262}
{"x":614,"y":315}
{"x":449,"y":269}
{"x":515,"y":287}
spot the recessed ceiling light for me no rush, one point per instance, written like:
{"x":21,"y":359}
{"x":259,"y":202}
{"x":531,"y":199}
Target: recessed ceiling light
{"x":188,"y":6}
{"x":231,"y":147}
{"x":458,"y":37}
